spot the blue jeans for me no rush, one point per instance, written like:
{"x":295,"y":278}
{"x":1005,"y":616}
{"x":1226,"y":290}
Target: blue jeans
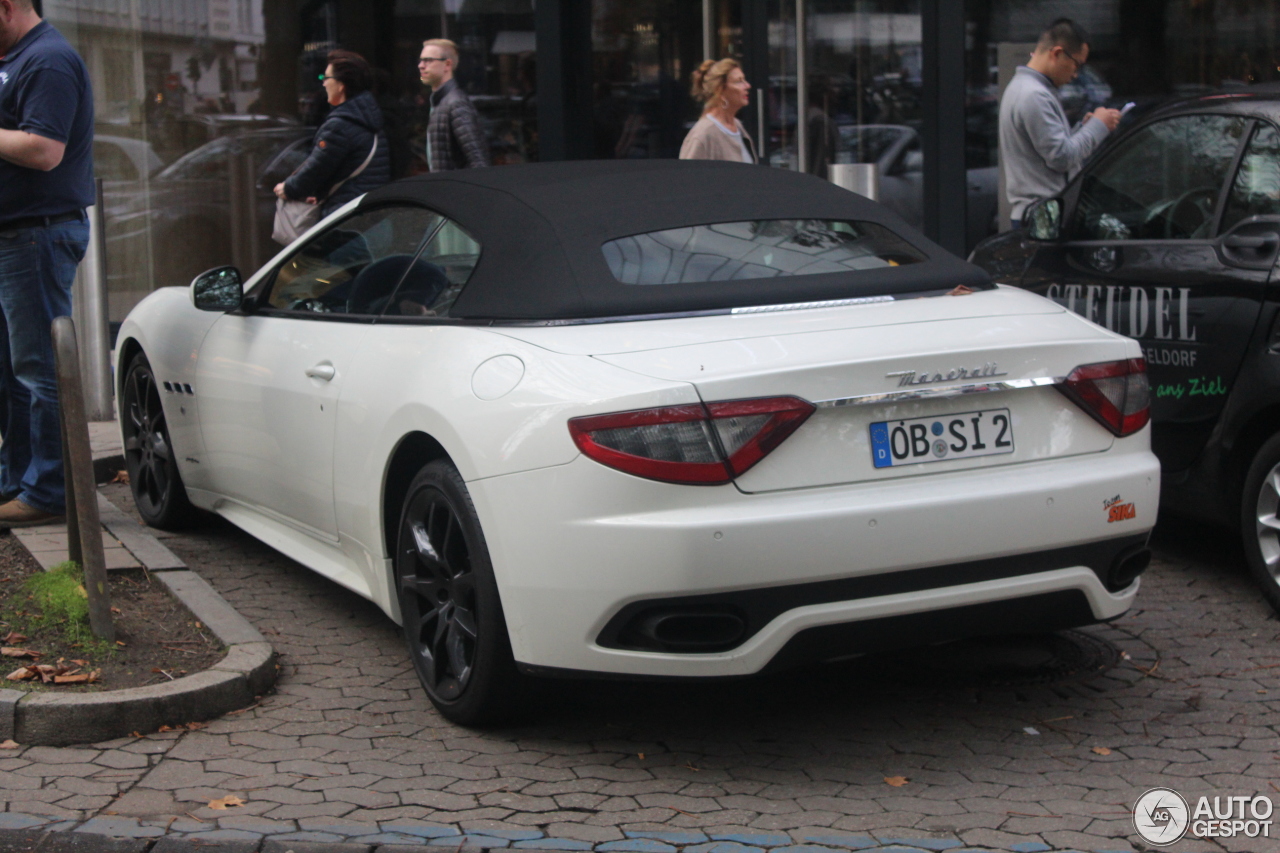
{"x":37,"y":266}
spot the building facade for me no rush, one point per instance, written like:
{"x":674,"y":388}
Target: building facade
{"x":204,"y":104}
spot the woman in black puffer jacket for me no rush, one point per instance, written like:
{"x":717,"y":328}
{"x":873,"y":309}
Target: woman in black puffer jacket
{"x":344,"y":140}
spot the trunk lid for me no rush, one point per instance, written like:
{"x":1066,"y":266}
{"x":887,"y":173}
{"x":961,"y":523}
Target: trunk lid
{"x":882,"y":363}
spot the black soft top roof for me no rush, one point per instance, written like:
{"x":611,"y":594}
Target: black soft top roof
{"x":541,"y":227}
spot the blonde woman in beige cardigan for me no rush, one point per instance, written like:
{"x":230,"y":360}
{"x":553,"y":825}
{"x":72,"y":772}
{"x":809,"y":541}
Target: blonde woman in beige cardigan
{"x":723,"y":90}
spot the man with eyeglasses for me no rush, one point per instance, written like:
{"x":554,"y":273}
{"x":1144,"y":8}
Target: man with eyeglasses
{"x":1039,"y":149}
{"x":455,"y":139}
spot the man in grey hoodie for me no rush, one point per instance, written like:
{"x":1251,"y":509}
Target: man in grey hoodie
{"x":1039,"y":149}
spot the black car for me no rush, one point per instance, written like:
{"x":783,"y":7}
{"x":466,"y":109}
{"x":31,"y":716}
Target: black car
{"x":1170,"y":235}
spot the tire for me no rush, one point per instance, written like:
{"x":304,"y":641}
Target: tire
{"x":452,"y":617}
{"x":1260,"y":520}
{"x":157,"y":486}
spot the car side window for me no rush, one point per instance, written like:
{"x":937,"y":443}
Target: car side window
{"x":1162,"y":183}
{"x":354,"y":266}
{"x":436,"y":276}
{"x":1256,"y":189}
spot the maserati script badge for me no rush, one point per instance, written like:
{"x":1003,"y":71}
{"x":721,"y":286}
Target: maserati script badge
{"x":910,"y":377}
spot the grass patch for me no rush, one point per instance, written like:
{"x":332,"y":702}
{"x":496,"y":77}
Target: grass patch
{"x":57,"y":600}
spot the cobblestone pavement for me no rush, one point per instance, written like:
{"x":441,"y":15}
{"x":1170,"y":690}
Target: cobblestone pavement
{"x":348,"y":748}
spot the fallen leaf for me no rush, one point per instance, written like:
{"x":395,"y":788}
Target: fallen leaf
{"x":1101,"y":750}
{"x":641,"y":755}
{"x":84,"y":593}
{"x":80,"y":678}
{"x":14,"y":652}
{"x":22,"y":673}
{"x":194,"y":727}
{"x":121,"y":642}
{"x":960,"y":290}
{"x":9,"y":744}
{"x":116,"y":610}
{"x":1031,"y":730}
{"x":223,"y":803}
{"x":13,"y":637}
{"x":121,"y":477}
{"x":896,"y":781}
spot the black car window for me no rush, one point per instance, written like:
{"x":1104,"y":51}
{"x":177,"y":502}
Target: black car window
{"x":770,"y":248}
{"x":354,"y":266}
{"x":1256,"y":190}
{"x":1161,"y":183}
{"x":436,"y":277}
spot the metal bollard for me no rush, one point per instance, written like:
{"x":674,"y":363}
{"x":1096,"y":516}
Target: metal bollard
{"x":89,"y":308}
{"x":84,"y":527}
{"x":242,"y":212}
{"x":861,"y":178}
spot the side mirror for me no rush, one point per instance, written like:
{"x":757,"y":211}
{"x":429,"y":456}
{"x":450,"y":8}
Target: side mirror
{"x":218,"y":289}
{"x":1043,"y":220}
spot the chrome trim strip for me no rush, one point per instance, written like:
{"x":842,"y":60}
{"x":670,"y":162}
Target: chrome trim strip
{"x":801,"y":306}
{"x":938,"y":393}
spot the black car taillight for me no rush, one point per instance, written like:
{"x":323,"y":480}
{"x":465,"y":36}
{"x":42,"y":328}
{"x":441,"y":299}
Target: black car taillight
{"x":692,"y":444}
{"x":1115,"y":393}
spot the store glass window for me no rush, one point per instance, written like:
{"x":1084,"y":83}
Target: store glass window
{"x":643,"y":52}
{"x":203,"y":106}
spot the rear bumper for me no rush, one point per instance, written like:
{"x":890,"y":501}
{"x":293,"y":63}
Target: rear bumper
{"x":576,"y":548}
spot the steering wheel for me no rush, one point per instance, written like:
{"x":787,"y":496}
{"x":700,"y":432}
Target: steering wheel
{"x":1189,"y":213}
{"x":312,"y":304}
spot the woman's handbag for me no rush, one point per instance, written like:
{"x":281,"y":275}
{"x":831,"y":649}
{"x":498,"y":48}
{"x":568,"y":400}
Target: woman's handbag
{"x":295,"y":218}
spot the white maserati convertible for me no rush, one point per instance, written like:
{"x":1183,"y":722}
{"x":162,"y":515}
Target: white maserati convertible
{"x":647,"y":418}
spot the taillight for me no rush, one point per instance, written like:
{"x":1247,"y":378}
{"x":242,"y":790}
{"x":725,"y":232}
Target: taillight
{"x":1114,"y":392}
{"x":708,"y":444}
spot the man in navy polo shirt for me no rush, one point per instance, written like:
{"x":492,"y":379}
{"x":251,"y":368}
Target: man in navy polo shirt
{"x":46,"y":182}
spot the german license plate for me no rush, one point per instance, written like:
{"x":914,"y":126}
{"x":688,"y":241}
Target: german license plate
{"x":936,"y":439}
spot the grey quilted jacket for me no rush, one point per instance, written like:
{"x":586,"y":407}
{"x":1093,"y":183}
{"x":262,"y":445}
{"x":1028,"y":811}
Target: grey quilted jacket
{"x":457,"y":138}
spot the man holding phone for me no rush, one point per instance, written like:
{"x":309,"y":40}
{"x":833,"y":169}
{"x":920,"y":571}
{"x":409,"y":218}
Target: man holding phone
{"x":1039,"y":149}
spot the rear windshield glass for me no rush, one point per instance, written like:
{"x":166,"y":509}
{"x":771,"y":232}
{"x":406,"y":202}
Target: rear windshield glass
{"x":768,"y":248}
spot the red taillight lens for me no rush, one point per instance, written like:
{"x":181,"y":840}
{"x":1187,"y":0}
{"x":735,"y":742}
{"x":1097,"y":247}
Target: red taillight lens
{"x":690,"y":444}
{"x":1116,"y":393}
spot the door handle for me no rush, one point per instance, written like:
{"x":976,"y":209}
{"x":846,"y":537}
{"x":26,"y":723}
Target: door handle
{"x":324,"y":371}
{"x":1240,"y":241}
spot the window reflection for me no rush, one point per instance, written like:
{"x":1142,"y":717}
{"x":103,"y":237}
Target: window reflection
{"x":203,"y":106}
{"x":731,"y":251}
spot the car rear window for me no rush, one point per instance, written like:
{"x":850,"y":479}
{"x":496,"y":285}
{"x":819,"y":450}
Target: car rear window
{"x":768,"y":248}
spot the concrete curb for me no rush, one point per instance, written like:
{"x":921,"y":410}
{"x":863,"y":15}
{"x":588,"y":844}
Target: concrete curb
{"x":248,"y":670}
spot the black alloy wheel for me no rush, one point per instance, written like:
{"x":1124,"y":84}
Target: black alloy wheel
{"x":452,"y":616}
{"x":148,"y":453}
{"x":1260,"y":520}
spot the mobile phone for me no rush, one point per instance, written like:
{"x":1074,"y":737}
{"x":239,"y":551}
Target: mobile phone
{"x":1127,"y":107}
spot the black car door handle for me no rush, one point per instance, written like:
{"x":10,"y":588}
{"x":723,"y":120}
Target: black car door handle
{"x":1240,"y":241}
